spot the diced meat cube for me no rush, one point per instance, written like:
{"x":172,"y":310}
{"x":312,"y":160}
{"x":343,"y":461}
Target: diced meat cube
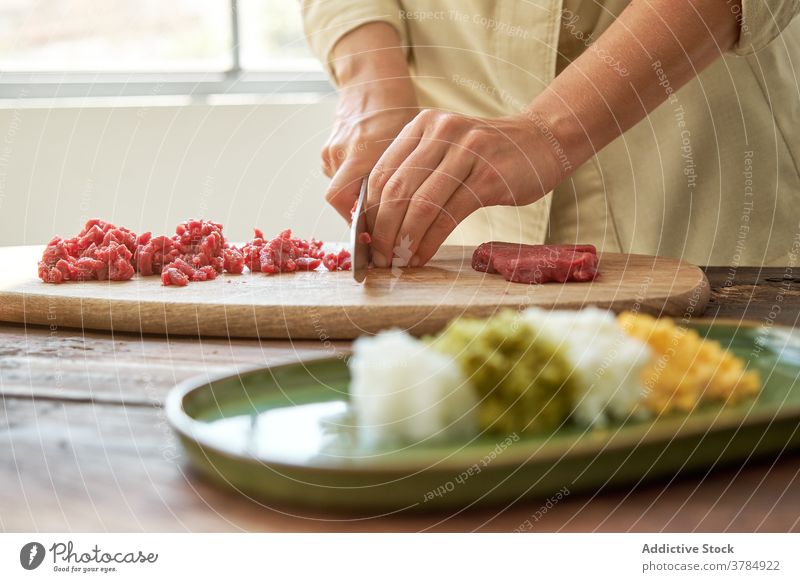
{"x":233,"y":260}
{"x":155,"y":253}
{"x":340,"y":261}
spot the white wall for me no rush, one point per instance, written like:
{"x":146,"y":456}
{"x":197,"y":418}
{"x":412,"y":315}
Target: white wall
{"x":150,"y":166}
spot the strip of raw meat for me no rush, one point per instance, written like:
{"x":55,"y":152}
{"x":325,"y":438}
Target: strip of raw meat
{"x":537,"y":263}
{"x":482,"y":257}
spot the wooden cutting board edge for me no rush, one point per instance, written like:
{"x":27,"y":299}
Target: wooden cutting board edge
{"x":323,"y":323}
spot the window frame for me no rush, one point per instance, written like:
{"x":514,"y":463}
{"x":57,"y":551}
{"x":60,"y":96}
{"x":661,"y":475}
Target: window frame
{"x":233,"y":81}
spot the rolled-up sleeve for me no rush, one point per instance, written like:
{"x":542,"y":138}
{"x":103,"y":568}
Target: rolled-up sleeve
{"x":326,"y":21}
{"x":762,"y":21}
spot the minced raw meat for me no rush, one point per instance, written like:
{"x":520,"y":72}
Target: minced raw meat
{"x":251,"y":251}
{"x":201,"y":246}
{"x":282,"y":254}
{"x":521,"y":263}
{"x":196,"y":252}
{"x":340,"y":261}
{"x":201,"y":243}
{"x":153,"y":253}
{"x":102,"y":233}
{"x":100,"y":251}
{"x":233,"y":259}
{"x":179,"y":272}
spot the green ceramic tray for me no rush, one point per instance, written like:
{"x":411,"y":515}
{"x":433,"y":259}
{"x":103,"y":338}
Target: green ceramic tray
{"x":271,"y":434}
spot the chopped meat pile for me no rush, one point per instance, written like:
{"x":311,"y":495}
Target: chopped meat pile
{"x":153,"y":253}
{"x":341,"y":261}
{"x":537,"y":263}
{"x":179,"y":272}
{"x":282,"y":254}
{"x":196,"y":252}
{"x":285,"y":253}
{"x":200,"y":253}
{"x":100,"y":251}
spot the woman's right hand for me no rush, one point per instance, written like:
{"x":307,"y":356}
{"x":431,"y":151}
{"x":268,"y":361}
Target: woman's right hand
{"x":368,"y":117}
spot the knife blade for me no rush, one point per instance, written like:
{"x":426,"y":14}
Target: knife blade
{"x":361,"y":250}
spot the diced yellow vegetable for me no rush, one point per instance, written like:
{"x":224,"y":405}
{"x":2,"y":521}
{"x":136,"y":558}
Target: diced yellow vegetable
{"x":687,"y":369}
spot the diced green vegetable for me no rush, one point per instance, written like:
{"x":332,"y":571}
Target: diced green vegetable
{"x":524,"y":384}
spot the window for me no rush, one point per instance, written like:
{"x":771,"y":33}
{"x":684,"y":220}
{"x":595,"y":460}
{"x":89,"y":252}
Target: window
{"x":79,"y":48}
{"x":272,"y":39}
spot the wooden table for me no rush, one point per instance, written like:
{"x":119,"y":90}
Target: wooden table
{"x":84,"y":444}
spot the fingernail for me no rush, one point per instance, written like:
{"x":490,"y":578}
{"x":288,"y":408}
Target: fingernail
{"x":414,"y":262}
{"x":379,"y":260}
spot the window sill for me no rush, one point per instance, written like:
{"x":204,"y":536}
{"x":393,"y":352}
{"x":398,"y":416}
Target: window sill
{"x":170,"y":88}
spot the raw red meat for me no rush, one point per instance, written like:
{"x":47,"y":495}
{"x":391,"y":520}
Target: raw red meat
{"x":179,"y":272}
{"x":364,"y":238}
{"x":251,"y":251}
{"x":154,"y":253}
{"x":282,"y":254}
{"x":196,"y":252}
{"x":111,"y":262}
{"x":537,"y":263}
{"x":100,"y":251}
{"x":340,"y":261}
{"x":55,"y":264}
{"x":233,"y":259}
{"x":201,"y":243}
{"x":102,"y":233}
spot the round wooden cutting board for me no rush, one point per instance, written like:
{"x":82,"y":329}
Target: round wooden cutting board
{"x":322,"y":305}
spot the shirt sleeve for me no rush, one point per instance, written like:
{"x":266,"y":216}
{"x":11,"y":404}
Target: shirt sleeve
{"x":762,"y":21}
{"x":326,"y":21}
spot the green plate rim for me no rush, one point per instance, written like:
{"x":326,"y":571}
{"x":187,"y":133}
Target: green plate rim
{"x":684,"y":426}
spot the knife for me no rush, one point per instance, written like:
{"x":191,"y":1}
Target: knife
{"x":361,"y":249}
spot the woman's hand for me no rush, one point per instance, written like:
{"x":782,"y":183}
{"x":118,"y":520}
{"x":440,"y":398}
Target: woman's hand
{"x":369,"y":116}
{"x":376,"y":100}
{"x":443,"y":166}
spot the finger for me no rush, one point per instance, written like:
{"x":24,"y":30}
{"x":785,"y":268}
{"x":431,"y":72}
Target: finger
{"x":402,"y":146}
{"x":461,"y":204}
{"x":343,"y":190}
{"x":431,"y":197}
{"x":397,"y":194}
{"x":338,"y":156}
{"x":327,"y":166}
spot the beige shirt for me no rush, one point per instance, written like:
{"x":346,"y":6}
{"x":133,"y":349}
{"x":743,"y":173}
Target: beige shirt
{"x":710,"y":176}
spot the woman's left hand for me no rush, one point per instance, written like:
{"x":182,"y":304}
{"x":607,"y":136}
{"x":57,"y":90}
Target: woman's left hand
{"x":443,"y":166}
